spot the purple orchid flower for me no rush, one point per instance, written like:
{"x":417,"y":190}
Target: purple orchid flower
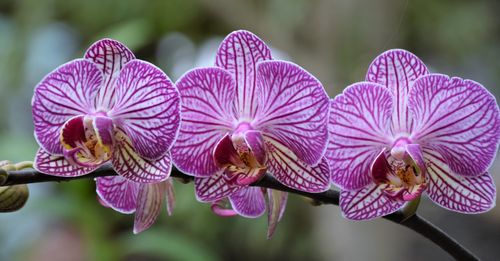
{"x":107,"y":107}
{"x":145,"y":200}
{"x":406,"y":131}
{"x":247,"y":116}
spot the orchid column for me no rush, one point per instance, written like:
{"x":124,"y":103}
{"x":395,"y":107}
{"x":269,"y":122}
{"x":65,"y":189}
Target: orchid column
{"x":247,"y":116}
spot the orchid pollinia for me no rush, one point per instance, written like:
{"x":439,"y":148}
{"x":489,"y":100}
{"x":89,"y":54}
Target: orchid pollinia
{"x":109,"y":108}
{"x":406,"y":131}
{"x":246,"y":116}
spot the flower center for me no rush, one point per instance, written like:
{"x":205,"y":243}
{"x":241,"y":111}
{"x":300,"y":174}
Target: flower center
{"x":242,"y":155}
{"x":402,"y":171}
{"x":88,"y":140}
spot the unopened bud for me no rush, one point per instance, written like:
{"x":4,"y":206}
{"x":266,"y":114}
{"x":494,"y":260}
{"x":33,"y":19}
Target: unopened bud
{"x":13,"y":198}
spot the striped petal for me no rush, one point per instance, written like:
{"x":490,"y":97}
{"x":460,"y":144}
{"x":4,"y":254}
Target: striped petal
{"x":288,"y":169}
{"x":367,"y":203}
{"x":276,"y":208}
{"x":147,"y":108}
{"x":109,"y":56}
{"x":292,"y":108}
{"x":170,"y":196}
{"x":66,"y":92}
{"x":213,"y":188}
{"x":118,"y":193}
{"x":397,"y":70}
{"x":359,"y":130}
{"x":239,"y":53}
{"x":457,"y":193}
{"x":129,"y":164}
{"x":459,"y":119}
{"x":149,"y":203}
{"x":248,"y":202}
{"x":207,"y":115}
{"x":58,"y":165}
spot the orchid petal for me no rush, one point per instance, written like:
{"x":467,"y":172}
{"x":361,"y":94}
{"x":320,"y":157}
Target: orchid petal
{"x":368,"y":203}
{"x":118,"y":193}
{"x":147,"y":108}
{"x":110,"y":56}
{"x":288,"y":169}
{"x":461,"y":194}
{"x":358,"y":127}
{"x":459,"y":119}
{"x":207,"y":115}
{"x":248,"y":202}
{"x":149,"y":202}
{"x":129,"y":164}
{"x":170,"y":196}
{"x":213,"y":188}
{"x":292,"y":108}
{"x":66,"y":92}
{"x":276,"y":208}
{"x":58,"y":166}
{"x":239,"y":53}
{"x":397,"y":70}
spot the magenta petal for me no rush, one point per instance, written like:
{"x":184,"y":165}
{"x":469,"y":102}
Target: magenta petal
{"x":149,"y":203}
{"x":276,"y":208}
{"x":459,"y":119}
{"x":66,"y":92}
{"x":132,"y":166}
{"x":292,"y":108}
{"x":457,"y":193}
{"x":397,"y":70}
{"x":58,"y":165}
{"x":147,"y":108}
{"x":239,"y":53}
{"x":288,"y":169}
{"x":118,"y":193}
{"x":359,"y":130}
{"x":213,"y":188}
{"x":207,"y":115}
{"x":367,"y":203}
{"x":109,"y":56}
{"x":248,"y":202}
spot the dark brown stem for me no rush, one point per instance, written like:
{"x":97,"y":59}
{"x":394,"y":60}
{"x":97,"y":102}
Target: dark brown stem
{"x":413,"y":222}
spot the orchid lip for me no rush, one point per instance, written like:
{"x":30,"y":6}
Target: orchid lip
{"x":242,"y":155}
{"x":402,"y":170}
{"x":88,"y":140}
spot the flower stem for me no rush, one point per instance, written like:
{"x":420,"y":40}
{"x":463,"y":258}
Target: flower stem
{"x":413,"y":222}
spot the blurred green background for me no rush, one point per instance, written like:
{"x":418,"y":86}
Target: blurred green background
{"x":334,"y":40}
